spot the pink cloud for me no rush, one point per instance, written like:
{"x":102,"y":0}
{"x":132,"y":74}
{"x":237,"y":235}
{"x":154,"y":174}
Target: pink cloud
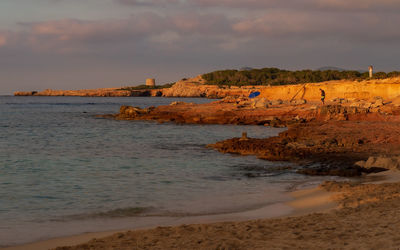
{"x":355,"y":4}
{"x":218,"y":30}
{"x":3,"y":40}
{"x":78,"y":30}
{"x":327,"y":5}
{"x":193,"y":22}
{"x":69,"y":35}
{"x":274,"y":24}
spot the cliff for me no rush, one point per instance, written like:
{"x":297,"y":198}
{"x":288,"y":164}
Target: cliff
{"x":344,"y":89}
{"x":387,"y":89}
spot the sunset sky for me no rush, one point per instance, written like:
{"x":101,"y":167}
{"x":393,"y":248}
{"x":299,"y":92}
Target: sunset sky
{"x":73,"y":44}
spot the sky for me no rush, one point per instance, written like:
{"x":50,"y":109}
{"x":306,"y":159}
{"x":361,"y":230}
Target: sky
{"x":83,"y":44}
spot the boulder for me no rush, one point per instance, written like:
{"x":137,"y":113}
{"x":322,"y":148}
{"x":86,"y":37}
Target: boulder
{"x":260,"y":103}
{"x":339,"y":100}
{"x":229,"y":99}
{"x":276,"y":102}
{"x":377,"y":103}
{"x":298,"y":102}
{"x":129,"y":111}
{"x":176,"y":103}
{"x":392,"y":163}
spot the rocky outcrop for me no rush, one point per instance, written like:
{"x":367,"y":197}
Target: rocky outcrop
{"x":387,"y":89}
{"x":330,"y":148}
{"x":344,"y":92}
{"x":221,"y":112}
{"x":106,"y":92}
{"x":25,"y":93}
{"x":391,"y":162}
{"x":196,"y":87}
{"x":261,"y":111}
{"x":325,"y":139}
{"x":129,"y":112}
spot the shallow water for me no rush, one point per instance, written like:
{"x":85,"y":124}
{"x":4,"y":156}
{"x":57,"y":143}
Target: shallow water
{"x":59,"y":164}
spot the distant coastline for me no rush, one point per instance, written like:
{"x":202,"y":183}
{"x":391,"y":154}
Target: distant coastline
{"x":223,"y":83}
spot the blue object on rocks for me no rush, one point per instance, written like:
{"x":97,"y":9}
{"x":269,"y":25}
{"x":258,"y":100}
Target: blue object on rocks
{"x":254,"y":94}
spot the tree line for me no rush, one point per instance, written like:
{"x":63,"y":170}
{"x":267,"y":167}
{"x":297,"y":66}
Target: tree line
{"x":275,"y":76}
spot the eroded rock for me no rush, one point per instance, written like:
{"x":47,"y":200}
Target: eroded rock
{"x":391,"y":162}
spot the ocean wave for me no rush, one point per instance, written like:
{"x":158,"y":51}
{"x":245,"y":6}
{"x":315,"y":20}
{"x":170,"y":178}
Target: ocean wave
{"x":254,"y":171}
{"x":115,"y":213}
{"x":264,"y":168}
{"x":153,"y":212}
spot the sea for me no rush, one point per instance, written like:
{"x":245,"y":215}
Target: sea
{"x":65,"y":171}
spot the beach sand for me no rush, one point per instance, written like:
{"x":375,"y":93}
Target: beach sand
{"x":368,"y":218}
{"x":303,"y":202}
{"x":336,"y":215}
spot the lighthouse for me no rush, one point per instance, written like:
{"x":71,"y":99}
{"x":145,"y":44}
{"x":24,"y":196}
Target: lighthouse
{"x":371,"y":69}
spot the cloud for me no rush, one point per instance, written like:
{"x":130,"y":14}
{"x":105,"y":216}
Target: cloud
{"x":3,"y":40}
{"x":190,"y":37}
{"x":175,"y":31}
{"x":99,"y":30}
{"x":75,"y":36}
{"x":354,"y":4}
{"x":326,"y":5}
{"x":148,"y":2}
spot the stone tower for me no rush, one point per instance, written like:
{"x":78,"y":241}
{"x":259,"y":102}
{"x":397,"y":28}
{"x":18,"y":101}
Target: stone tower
{"x":151,"y":82}
{"x":371,"y":69}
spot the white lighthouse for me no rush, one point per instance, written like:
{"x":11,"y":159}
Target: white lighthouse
{"x":371,"y":71}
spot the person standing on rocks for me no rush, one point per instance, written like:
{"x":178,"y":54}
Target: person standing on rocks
{"x":322,"y":96}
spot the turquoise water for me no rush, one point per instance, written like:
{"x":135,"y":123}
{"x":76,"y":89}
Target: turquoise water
{"x":59,"y":164}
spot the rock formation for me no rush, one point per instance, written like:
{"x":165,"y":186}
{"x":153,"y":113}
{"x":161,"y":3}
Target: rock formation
{"x":106,"y":92}
{"x":387,"y":89}
{"x":325,"y":139}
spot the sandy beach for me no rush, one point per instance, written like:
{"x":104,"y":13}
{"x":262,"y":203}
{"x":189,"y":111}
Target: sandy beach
{"x":302,"y":202}
{"x":367,"y":217}
{"x":333,"y":216}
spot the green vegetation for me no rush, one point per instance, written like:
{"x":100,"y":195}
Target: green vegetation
{"x":275,"y":76}
{"x":144,"y":87}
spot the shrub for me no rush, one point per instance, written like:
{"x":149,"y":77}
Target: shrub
{"x":275,"y":76}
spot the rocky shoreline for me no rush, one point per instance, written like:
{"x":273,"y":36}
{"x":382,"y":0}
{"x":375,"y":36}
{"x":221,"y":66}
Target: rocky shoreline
{"x":324,"y":139}
{"x":345,"y":137}
{"x":107,"y":92}
{"x":329,"y":148}
{"x":342,"y":90}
